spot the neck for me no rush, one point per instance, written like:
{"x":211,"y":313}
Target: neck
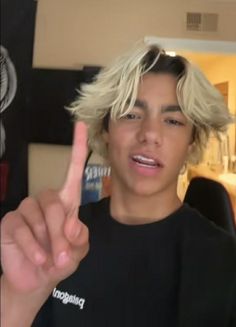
{"x":138,"y":209}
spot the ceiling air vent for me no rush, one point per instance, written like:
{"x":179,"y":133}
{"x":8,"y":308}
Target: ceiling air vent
{"x":202,"y":22}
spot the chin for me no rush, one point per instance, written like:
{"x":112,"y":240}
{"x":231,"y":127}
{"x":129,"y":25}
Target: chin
{"x":140,"y":189}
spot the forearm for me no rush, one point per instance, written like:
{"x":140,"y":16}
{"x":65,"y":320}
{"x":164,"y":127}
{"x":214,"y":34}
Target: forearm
{"x":19,"y":310}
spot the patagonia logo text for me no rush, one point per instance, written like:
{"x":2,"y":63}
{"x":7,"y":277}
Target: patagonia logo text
{"x":66,"y":298}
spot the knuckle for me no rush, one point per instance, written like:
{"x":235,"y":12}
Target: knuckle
{"x":85,"y":250}
{"x":84,"y":241}
{"x":27,"y":202}
{"x":9,"y":218}
{"x":83,"y":237}
{"x":74,"y":266}
{"x":85,"y":231}
{"x":80,"y":255}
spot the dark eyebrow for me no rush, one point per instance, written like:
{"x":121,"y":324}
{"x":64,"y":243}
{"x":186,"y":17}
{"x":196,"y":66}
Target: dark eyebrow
{"x":142,"y":104}
{"x":170,"y":108}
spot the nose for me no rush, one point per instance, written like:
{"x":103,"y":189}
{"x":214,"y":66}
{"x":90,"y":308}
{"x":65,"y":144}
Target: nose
{"x":150,"y":132}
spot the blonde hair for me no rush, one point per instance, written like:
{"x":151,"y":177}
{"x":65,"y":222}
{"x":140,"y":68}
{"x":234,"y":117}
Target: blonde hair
{"x":115,"y":88}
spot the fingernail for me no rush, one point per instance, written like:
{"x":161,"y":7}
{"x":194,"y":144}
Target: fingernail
{"x":62,"y":258}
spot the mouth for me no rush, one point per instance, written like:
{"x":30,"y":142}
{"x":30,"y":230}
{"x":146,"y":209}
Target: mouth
{"x":147,"y":161}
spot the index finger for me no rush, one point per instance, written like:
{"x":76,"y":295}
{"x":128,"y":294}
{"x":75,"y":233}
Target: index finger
{"x":71,"y":191}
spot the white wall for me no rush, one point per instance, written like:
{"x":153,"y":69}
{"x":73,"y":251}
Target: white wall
{"x":48,"y":165}
{"x":71,"y":33}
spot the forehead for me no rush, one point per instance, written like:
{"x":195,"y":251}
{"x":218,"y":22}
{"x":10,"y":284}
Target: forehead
{"x":158,"y":85}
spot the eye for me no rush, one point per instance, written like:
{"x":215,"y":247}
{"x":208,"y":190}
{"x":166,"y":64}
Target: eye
{"x":132,"y":116}
{"x":174,"y":122}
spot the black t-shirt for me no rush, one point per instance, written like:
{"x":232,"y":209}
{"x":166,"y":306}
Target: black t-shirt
{"x":134,"y":275}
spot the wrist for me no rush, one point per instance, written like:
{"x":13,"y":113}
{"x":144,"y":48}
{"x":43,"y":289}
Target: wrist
{"x":19,"y":309}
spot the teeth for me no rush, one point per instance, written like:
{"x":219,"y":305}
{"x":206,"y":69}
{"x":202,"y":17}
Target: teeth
{"x":145,"y":160}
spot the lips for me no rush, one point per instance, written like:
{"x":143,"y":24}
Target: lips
{"x":147,"y":161}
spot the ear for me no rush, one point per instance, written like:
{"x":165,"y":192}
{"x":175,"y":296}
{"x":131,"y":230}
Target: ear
{"x":190,"y":148}
{"x":105,"y":136}
{"x":192,"y":140}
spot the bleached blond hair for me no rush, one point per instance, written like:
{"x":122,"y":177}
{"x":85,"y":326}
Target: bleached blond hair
{"x":114,"y":90}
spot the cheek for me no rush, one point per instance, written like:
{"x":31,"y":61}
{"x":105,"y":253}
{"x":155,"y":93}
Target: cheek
{"x":178,"y":150}
{"x":118,"y":135}
{"x":114,"y":144}
{"x":119,"y":144}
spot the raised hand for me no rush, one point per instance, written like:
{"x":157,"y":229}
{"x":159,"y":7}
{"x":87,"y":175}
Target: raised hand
{"x":43,"y":241}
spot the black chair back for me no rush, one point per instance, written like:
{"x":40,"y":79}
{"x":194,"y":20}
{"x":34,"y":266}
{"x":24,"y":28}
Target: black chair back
{"x":212,"y":200}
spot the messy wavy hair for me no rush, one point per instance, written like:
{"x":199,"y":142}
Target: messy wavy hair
{"x":114,"y":90}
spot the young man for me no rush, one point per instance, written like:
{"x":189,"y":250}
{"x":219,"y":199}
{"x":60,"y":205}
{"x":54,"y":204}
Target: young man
{"x":150,"y":259}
